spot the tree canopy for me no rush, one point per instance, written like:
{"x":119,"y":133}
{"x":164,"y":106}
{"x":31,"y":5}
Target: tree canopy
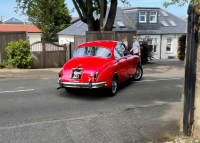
{"x":86,"y":10}
{"x":51,"y":16}
{"x":179,"y":2}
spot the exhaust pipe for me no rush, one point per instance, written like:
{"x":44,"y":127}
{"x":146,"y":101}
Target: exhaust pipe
{"x":59,"y":88}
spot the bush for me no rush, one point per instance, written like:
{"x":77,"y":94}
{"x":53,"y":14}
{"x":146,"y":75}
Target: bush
{"x":181,"y":47}
{"x":2,"y":64}
{"x":147,"y":52}
{"x":19,"y":55}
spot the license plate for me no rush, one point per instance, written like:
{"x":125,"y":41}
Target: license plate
{"x":76,"y":75}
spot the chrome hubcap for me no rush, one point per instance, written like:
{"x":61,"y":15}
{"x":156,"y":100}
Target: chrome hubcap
{"x":138,"y":73}
{"x":114,"y":85}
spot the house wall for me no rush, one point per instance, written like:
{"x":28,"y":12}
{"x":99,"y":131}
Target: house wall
{"x":64,"y":39}
{"x":174,"y":46}
{"x":34,"y":37}
{"x":159,"y":43}
{"x":155,"y":42}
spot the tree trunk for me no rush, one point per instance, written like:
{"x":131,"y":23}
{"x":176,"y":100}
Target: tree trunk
{"x":111,"y":16}
{"x":85,"y":12}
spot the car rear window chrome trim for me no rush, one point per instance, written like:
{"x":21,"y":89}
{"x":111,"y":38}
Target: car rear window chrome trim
{"x":77,"y":69}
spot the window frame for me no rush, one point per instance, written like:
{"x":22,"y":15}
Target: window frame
{"x":150,"y":15}
{"x":155,"y":45}
{"x":118,"y":52}
{"x":169,"y":44}
{"x":145,"y":17}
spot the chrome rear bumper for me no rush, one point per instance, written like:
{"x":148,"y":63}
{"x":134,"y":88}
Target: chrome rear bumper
{"x":88,"y":84}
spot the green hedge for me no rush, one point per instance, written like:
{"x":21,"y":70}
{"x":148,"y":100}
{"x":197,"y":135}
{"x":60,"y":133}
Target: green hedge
{"x":146,"y":52}
{"x":181,"y":47}
{"x":19,"y":55}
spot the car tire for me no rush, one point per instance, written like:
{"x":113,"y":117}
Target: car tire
{"x":138,"y":74}
{"x":113,"y":88}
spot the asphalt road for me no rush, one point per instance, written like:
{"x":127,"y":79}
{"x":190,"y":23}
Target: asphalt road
{"x":34,"y":111}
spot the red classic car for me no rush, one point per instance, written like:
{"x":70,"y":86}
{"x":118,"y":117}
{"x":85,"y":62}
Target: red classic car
{"x":99,"y":64}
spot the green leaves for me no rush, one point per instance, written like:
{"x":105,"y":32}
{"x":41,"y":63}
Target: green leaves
{"x":19,"y":55}
{"x":179,"y":2}
{"x":51,"y":16}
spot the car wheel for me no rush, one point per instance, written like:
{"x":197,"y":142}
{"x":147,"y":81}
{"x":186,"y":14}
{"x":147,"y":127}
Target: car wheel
{"x":68,"y":89}
{"x":138,"y":74}
{"x":113,"y":88}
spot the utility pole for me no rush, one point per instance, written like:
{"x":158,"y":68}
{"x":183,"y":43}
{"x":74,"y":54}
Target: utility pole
{"x":101,"y":19}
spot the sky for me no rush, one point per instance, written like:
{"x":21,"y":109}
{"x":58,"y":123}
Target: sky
{"x":7,"y":8}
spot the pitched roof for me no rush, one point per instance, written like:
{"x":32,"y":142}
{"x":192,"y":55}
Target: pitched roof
{"x":18,"y":28}
{"x":122,"y":23}
{"x":74,"y":19}
{"x":179,"y":26}
{"x":79,"y":27}
{"x":127,"y":19}
{"x":13,"y":20}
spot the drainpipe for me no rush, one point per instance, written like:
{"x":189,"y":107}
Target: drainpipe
{"x":160,"y":44}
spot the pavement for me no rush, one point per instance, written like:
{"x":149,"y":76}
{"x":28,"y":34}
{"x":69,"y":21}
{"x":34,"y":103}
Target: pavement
{"x":53,"y":72}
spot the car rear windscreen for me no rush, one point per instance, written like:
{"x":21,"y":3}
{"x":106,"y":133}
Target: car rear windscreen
{"x":92,"y":51}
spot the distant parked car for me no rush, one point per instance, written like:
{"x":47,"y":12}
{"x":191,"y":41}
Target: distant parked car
{"x":99,"y":64}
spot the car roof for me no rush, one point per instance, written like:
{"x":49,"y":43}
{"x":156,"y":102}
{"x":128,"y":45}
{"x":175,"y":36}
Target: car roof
{"x":104,"y":43}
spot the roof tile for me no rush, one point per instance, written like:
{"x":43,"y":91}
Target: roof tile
{"x":18,"y":28}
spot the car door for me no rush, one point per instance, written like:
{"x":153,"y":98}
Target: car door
{"x":121,"y":63}
{"x":132,"y":64}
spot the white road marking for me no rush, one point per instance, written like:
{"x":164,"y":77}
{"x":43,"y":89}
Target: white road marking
{"x":16,"y":91}
{"x":159,"y":79}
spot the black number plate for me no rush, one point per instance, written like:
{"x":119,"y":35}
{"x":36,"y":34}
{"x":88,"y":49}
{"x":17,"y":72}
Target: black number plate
{"x":76,"y":74}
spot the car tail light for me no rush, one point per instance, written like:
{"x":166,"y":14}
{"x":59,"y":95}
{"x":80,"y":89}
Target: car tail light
{"x":60,"y":73}
{"x":95,"y":75}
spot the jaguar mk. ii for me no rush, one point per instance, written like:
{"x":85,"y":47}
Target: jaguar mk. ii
{"x":99,"y":64}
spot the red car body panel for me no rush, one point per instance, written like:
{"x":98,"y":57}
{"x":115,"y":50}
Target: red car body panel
{"x":103,"y":67}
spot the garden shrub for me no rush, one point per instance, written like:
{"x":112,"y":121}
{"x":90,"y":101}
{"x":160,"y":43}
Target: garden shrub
{"x":181,"y":47}
{"x":19,"y":55}
{"x":146,"y":52}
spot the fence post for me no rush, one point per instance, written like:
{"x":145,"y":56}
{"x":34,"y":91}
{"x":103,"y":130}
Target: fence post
{"x":66,"y":51}
{"x":190,"y":73}
{"x":70,"y":50}
{"x":44,"y":53}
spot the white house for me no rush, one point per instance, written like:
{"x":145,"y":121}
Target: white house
{"x":161,"y":26}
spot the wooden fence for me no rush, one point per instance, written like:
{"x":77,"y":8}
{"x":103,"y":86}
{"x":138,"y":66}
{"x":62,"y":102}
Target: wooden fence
{"x":49,"y":55}
{"x":7,"y":37}
{"x":110,"y":35}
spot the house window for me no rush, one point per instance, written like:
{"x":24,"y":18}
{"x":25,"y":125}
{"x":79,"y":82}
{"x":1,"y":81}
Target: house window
{"x":120,"y":24}
{"x":142,"y":16}
{"x":155,"y":48}
{"x":172,"y":22}
{"x":169,"y":45}
{"x":153,"y":17}
{"x":164,"y":23}
{"x":155,"y":45}
{"x":164,"y":13}
{"x":155,"y":41}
